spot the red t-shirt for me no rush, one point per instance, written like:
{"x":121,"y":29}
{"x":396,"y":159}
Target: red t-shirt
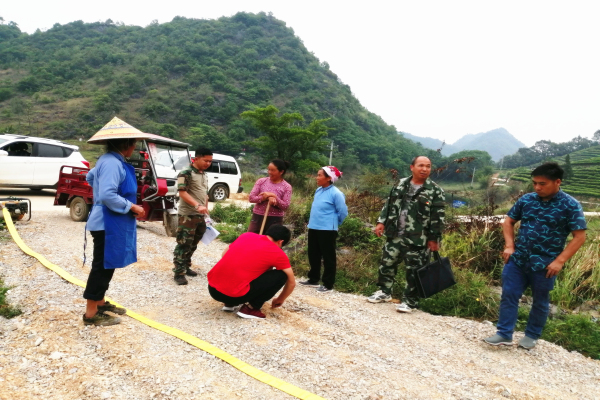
{"x":249,"y":257}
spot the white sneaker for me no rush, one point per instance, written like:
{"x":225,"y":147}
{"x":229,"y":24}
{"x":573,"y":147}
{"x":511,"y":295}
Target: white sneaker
{"x":379,"y":297}
{"x":404,"y":308}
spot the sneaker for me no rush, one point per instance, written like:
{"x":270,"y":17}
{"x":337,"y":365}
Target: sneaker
{"x":107,"y":306}
{"x":404,"y":308}
{"x":498,"y":340}
{"x":180,"y":280}
{"x":101,"y":319}
{"x":251,"y":313}
{"x":323,"y":289}
{"x":527,"y":343}
{"x":379,"y":297}
{"x":191,"y":272}
{"x":228,"y":308}
{"x":310,"y":284}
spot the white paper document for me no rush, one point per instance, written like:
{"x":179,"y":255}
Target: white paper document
{"x":210,"y":235}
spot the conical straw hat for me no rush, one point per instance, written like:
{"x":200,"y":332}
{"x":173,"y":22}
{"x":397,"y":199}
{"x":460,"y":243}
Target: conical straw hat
{"x":117,"y":129}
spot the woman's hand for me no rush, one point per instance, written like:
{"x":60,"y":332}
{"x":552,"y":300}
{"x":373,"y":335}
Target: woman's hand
{"x":266,"y":195}
{"x":138,"y":211}
{"x":273,"y":201}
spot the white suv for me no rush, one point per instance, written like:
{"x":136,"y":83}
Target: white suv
{"x":34,"y":163}
{"x":224,"y":173}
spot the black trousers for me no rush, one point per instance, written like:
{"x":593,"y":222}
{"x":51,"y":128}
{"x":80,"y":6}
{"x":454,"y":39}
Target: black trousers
{"x":261,"y":290}
{"x":321,"y":246}
{"x":99,"y":278}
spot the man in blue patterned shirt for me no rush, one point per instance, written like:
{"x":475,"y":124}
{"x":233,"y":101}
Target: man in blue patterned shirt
{"x":539,"y":253}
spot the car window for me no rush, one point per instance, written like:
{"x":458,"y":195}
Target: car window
{"x":48,"y":150}
{"x":19,"y":149}
{"x":214,"y":167}
{"x":227,"y":167}
{"x":182,"y":163}
{"x":3,"y":140}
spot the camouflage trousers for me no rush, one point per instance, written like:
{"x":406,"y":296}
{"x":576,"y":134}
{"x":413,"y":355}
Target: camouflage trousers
{"x":397,"y":250}
{"x":190,"y":230}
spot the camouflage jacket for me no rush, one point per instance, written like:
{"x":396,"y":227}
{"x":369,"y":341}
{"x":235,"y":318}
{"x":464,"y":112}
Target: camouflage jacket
{"x":425,"y":218}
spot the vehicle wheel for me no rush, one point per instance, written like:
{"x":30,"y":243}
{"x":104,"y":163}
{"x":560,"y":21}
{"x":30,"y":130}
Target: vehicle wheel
{"x":218,"y":192}
{"x":171,"y":221}
{"x":79,"y":209}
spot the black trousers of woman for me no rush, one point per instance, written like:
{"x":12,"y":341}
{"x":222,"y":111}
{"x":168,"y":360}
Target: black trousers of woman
{"x":262,"y":289}
{"x":321,"y":246}
{"x":99,"y":278}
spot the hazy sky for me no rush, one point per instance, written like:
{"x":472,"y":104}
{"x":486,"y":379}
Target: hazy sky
{"x":432,"y":68}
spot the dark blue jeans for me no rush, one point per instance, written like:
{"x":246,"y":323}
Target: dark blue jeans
{"x":514,"y":282}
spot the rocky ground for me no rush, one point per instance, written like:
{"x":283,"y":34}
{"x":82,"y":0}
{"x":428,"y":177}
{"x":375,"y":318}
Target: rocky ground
{"x":336,"y":345}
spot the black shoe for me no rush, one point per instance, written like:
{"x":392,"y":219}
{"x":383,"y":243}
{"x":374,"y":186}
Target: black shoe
{"x":107,"y":306}
{"x":190,"y":272}
{"x":180,"y":280}
{"x":309,"y":283}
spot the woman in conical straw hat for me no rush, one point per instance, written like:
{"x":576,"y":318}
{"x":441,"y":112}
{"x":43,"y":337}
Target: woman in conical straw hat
{"x":112,"y":219}
{"x":327,"y":213}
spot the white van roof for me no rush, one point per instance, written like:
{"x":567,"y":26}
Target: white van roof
{"x":217,"y":156}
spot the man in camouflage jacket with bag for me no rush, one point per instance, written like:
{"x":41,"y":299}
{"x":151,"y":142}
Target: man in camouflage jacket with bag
{"x":412,"y":220}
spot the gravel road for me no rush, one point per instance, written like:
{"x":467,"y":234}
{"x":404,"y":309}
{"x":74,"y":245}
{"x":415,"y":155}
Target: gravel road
{"x":336,"y":345}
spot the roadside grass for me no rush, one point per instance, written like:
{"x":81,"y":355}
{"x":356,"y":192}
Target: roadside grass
{"x":574,"y":332}
{"x":6,"y":310}
{"x":231,"y":221}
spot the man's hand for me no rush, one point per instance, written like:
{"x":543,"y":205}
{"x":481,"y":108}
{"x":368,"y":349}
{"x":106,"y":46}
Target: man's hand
{"x":138,"y":211}
{"x":202,"y":209}
{"x":508,"y":251}
{"x":276,"y":302}
{"x":433,"y":245}
{"x":379,"y":229}
{"x":554,"y":268}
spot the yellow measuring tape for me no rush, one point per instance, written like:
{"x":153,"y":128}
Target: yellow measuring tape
{"x":194,"y":341}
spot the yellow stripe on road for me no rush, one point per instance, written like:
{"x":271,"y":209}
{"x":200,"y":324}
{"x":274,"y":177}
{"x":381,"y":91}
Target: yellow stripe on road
{"x":194,"y":341}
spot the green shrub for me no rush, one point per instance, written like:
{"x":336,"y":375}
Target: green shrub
{"x":297,"y":214}
{"x":229,"y":233}
{"x":232,"y":214}
{"x":471,"y":297}
{"x":354,"y":233}
{"x":6,"y":310}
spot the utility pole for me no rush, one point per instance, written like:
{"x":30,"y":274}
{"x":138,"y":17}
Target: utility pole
{"x":501,"y":163}
{"x":331,"y":153}
{"x":472,"y":177}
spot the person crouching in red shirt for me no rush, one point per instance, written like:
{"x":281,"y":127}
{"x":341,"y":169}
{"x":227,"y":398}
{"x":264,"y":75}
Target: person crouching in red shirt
{"x":253,"y":269}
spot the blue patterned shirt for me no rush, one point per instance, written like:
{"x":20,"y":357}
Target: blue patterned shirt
{"x":545,"y":226}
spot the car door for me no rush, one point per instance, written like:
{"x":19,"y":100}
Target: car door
{"x":16,"y":167}
{"x":229,"y":175}
{"x":49,"y":159}
{"x":214,"y":173}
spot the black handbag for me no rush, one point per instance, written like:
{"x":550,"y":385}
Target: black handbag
{"x":435,"y":276}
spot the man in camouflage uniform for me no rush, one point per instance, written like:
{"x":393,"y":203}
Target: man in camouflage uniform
{"x":192,"y":184}
{"x":412,"y":219}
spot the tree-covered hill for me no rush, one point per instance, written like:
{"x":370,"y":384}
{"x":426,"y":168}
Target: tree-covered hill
{"x":187,"y":79}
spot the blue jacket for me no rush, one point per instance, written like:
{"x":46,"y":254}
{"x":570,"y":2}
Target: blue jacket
{"x":328,"y":209}
{"x":105,"y":179}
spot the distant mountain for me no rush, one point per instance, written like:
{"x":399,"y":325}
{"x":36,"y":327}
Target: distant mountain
{"x":498,"y":143}
{"x":432,"y":143}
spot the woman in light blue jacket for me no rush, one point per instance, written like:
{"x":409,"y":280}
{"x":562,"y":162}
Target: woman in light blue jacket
{"x":327,"y":213}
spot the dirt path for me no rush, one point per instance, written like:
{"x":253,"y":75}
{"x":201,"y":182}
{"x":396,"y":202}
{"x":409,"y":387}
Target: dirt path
{"x":336,"y":345}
